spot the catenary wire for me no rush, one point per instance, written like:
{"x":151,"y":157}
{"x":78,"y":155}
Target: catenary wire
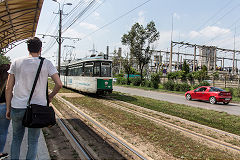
{"x":123,"y":15}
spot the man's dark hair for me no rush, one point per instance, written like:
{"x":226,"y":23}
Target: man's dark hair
{"x":34,"y":44}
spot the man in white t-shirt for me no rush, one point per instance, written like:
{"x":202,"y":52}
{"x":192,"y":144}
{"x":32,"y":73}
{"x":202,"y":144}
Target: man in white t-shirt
{"x":19,"y":85}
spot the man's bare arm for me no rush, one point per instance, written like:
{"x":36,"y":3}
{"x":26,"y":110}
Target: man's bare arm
{"x":57,"y":87}
{"x":8,"y":93}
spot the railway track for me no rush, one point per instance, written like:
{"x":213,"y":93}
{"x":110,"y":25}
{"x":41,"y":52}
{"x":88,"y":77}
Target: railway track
{"x":152,"y":117}
{"x":224,"y":145}
{"x":126,"y":149}
{"x":79,"y":147}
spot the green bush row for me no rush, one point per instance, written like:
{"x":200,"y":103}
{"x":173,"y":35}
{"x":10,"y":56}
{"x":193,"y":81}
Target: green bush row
{"x":172,"y":86}
{"x":136,"y":81}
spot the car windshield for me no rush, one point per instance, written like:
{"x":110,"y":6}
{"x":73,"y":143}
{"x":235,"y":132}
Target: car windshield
{"x":201,"y":89}
{"x":215,"y":89}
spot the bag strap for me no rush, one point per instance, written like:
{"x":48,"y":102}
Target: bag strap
{"x":35,"y":81}
{"x":47,"y":95}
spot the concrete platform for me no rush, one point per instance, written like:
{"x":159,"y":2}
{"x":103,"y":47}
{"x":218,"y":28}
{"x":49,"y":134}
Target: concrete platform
{"x":43,"y":153}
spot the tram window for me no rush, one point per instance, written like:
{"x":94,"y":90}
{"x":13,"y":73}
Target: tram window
{"x":71,"y":71}
{"x":96,"y":69}
{"x":62,"y":70}
{"x":106,"y":69}
{"x":80,"y":70}
{"x":88,"y":69}
{"x":75,"y":71}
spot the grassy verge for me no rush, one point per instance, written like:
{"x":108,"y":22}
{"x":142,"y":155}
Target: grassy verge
{"x":161,"y":137}
{"x":215,"y":119}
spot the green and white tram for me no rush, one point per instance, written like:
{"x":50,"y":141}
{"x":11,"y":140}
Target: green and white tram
{"x":90,"y":75}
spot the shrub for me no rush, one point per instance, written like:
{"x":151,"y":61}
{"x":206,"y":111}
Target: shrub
{"x":172,"y":75}
{"x":169,"y":85}
{"x":190,"y":77}
{"x":204,"y":83}
{"x":121,"y":80}
{"x":155,"y":80}
{"x":147,"y":83}
{"x":215,"y":75}
{"x":177,"y":87}
{"x":185,"y":87}
{"x":136,"y":81}
{"x":238,"y":92}
{"x":231,"y":90}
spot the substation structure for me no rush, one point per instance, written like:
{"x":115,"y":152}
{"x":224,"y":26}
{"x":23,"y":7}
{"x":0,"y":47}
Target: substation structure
{"x":214,"y":58}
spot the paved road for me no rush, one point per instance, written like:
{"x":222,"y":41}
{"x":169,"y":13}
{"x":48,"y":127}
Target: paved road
{"x":231,"y":108}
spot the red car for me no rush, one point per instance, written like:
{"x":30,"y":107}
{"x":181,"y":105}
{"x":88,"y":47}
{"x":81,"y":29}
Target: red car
{"x":209,"y":93}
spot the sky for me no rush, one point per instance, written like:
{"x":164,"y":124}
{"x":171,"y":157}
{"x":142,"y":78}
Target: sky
{"x":203,"y":22}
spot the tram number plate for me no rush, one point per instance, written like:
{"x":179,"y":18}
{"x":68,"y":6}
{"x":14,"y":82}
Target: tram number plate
{"x":227,"y":99}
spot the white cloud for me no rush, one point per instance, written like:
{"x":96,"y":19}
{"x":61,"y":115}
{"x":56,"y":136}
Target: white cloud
{"x":96,"y":14}
{"x":73,"y":33}
{"x":141,"y":18}
{"x":88,"y":26}
{"x":209,"y":32}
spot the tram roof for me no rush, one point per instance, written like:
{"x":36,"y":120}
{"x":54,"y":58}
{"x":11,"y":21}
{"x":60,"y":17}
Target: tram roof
{"x":89,"y":59}
{"x":18,"y":21}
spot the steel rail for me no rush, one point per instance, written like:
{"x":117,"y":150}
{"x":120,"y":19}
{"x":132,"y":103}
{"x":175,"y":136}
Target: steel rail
{"x":75,"y":140}
{"x":96,"y":124}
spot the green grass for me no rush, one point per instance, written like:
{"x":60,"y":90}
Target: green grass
{"x":161,"y":137}
{"x":215,"y":119}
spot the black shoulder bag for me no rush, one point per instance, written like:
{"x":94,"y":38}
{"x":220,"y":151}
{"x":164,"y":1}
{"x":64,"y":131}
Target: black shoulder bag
{"x":38,"y":116}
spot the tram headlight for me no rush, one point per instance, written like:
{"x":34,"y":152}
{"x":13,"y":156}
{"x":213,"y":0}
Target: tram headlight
{"x":106,"y":83}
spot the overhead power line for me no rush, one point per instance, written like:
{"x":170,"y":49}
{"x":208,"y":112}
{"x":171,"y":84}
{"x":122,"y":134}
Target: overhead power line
{"x":123,"y":15}
{"x":92,"y":12}
{"x":89,"y":6}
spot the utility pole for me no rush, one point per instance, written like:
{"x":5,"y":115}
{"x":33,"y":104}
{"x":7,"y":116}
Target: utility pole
{"x":215,"y":58}
{"x":170,"y":58}
{"x":233,"y":66}
{"x":194,"y":58}
{"x":107,"y":52}
{"x":59,"y":39}
{"x":60,"y":12}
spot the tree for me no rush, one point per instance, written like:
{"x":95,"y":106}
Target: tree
{"x":185,"y":67}
{"x":127,"y":64}
{"x":4,"y":59}
{"x":140,"y":40}
{"x":185,"y":70}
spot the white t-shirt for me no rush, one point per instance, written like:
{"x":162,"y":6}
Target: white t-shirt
{"x":24,"y":70}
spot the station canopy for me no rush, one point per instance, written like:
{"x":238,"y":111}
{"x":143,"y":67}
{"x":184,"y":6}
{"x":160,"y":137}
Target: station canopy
{"x":18,"y":21}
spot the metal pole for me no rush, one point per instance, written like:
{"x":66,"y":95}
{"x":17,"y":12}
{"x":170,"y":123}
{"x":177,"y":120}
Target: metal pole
{"x":194,"y":58}
{"x":223,"y":63}
{"x":170,"y":58}
{"x":233,"y":66}
{"x":59,"y":40}
{"x":215,"y":59}
{"x":107,"y":51}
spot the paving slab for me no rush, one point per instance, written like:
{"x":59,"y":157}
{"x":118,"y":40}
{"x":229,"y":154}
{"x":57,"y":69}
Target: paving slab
{"x":42,"y":154}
